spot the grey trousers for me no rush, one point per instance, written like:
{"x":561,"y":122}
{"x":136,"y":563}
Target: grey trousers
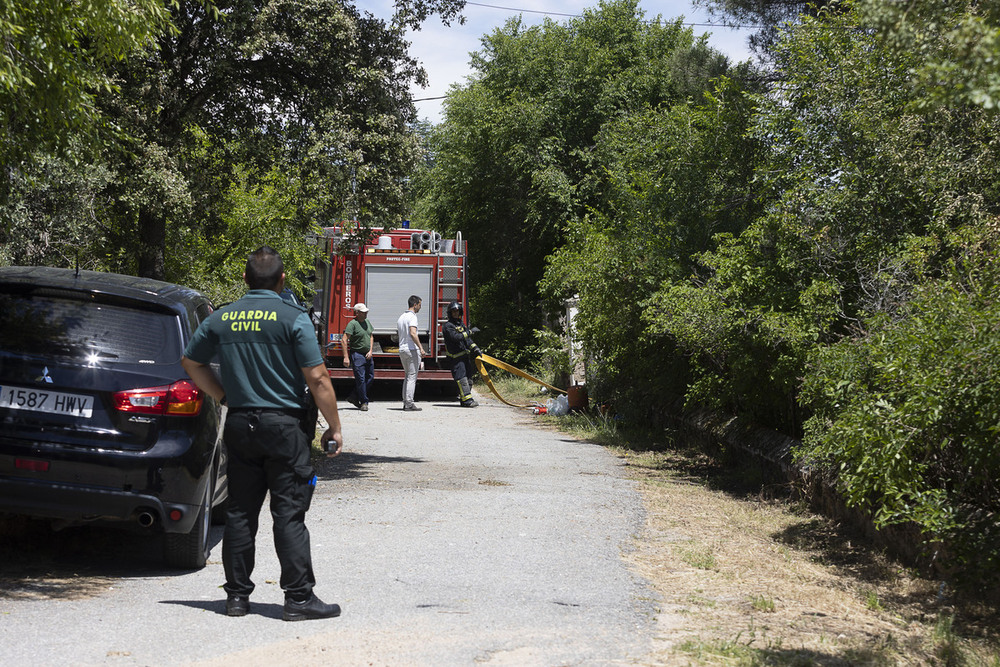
{"x":411,"y":364}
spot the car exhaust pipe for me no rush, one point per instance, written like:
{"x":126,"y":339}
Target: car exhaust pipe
{"x":145,"y":518}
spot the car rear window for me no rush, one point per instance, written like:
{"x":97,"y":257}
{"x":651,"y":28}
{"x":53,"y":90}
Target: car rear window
{"x":63,"y":326}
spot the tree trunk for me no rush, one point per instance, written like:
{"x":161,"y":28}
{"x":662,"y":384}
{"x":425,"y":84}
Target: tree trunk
{"x":153,"y":244}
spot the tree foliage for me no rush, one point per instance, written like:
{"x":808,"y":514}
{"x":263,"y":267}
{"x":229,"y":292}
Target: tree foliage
{"x":908,"y":420}
{"x":955,"y":42}
{"x":865,"y":281}
{"x":869,"y":194}
{"x":234,"y":93}
{"x":675,"y":177}
{"x":517,"y":156}
{"x":55,"y":214}
{"x":316,"y":88}
{"x":54,"y":64}
{"x":770,"y":18}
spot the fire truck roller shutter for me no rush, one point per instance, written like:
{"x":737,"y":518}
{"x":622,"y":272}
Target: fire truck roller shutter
{"x":388,"y":287}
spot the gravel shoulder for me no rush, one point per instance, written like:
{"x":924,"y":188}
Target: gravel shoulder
{"x":748,"y":575}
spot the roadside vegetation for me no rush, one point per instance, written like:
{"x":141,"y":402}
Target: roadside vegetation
{"x":169,"y":140}
{"x":808,"y":241}
{"x":748,"y":575}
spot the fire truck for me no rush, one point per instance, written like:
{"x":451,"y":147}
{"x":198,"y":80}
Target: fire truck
{"x":382,"y":269}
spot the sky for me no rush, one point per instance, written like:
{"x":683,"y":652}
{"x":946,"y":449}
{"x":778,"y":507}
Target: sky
{"x":444,"y":50}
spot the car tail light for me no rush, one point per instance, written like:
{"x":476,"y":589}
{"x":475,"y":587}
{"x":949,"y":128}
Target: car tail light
{"x":31,"y":464}
{"x":181,"y":398}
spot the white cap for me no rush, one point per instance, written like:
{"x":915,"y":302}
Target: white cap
{"x":360,"y":308}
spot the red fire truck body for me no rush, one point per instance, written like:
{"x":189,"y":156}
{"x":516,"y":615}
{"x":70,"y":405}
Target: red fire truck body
{"x":383,"y":275}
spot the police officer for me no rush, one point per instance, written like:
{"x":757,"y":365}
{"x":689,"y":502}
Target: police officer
{"x":461,"y":351}
{"x":268,"y":354}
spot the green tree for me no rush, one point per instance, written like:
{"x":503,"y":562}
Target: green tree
{"x":514,"y":160}
{"x":868,"y":280}
{"x":317,"y":90}
{"x":769,"y":17}
{"x":316,"y":87}
{"x":54,"y":214}
{"x":957,"y":44}
{"x":255,"y":210}
{"x":907,"y":419}
{"x":54,"y":62}
{"x":871,"y":192}
{"x":676,"y":177}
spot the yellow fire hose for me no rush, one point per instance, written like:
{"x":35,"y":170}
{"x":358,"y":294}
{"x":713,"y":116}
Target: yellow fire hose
{"x":484,"y":359}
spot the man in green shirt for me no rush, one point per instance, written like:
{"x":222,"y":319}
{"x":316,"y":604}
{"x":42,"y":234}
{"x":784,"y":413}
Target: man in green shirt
{"x":357,"y":346}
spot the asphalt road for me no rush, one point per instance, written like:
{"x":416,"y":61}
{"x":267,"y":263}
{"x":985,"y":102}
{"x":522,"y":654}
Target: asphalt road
{"x":449,"y":536}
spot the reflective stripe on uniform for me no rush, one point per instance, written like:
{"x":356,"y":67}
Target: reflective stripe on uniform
{"x":462,"y":396}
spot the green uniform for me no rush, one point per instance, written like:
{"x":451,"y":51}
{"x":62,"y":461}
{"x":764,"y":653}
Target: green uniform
{"x":262,"y":342}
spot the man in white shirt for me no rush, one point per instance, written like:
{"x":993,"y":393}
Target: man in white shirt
{"x":410,"y":350}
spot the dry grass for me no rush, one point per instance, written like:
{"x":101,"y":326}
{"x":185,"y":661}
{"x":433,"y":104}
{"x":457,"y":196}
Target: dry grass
{"x":747,"y":579}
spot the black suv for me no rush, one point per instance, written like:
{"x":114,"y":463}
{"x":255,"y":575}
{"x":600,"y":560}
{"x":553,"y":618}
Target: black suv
{"x":98,"y":420}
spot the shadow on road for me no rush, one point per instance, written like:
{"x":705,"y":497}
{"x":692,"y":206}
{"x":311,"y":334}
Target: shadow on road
{"x":270,"y":610}
{"x":75,"y":562}
{"x":352,"y":465}
{"x":390,"y":391}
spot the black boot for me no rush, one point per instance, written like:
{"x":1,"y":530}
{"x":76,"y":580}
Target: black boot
{"x":312,"y":608}
{"x":237,"y":605}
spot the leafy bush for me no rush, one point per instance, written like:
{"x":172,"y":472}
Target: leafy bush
{"x":257,"y":209}
{"x":908,"y":418}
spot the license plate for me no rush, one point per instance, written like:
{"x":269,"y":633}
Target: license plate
{"x":54,"y":402}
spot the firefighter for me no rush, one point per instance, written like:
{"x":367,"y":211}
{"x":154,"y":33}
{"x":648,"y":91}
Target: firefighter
{"x":461,"y":351}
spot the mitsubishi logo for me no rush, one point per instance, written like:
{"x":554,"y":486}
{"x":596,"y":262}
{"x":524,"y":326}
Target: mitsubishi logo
{"x":44,"y":377}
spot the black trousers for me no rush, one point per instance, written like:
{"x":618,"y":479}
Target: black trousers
{"x":462,"y":367}
{"x":268,"y":452}
{"x":462,"y":372}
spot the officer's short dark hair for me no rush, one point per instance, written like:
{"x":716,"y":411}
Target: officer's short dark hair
{"x":264,"y":268}
{"x":413,"y":300}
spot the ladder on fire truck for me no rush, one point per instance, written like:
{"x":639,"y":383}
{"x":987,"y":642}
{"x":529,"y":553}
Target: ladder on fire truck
{"x":450,"y":283}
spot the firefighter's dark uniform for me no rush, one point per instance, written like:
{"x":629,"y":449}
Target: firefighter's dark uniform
{"x":461,"y":351}
{"x":262,"y":342}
